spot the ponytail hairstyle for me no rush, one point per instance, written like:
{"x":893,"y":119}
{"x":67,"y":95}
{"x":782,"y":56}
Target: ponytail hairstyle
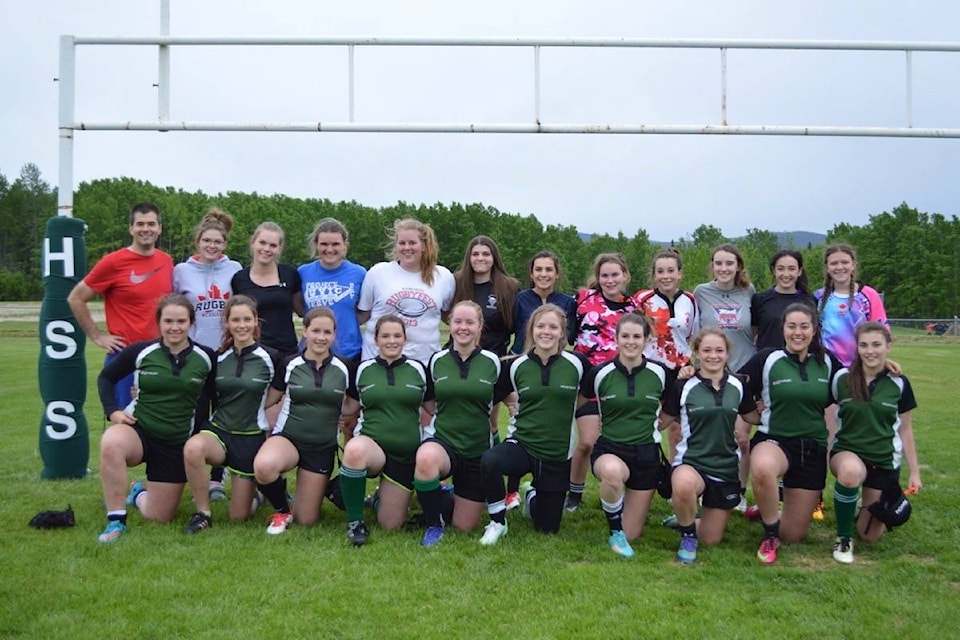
{"x":831,"y":249}
{"x":542,"y":310}
{"x":238,"y":300}
{"x":544,"y":253}
{"x":816,"y":348}
{"x":267,"y":226}
{"x":712,"y":331}
{"x":635,"y":317}
{"x":802,"y":285}
{"x":742,"y":279}
{"x":327,"y":225}
{"x":319,"y":312}
{"x":593,"y":278}
{"x":387,"y":319}
{"x":671,"y":253}
{"x":175,"y":300}
{"x":428,"y":240}
{"x":473,"y":306}
{"x":857,"y":381}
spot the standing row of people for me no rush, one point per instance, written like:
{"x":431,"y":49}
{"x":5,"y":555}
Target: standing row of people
{"x":620,"y":341}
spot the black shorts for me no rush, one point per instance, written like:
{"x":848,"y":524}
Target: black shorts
{"x":464,"y":471}
{"x":313,"y":458}
{"x":241,"y":448}
{"x":512,"y":459}
{"x":806,"y":461}
{"x":642,"y":460}
{"x":399,"y":473}
{"x":591,"y":408}
{"x":719,"y":494}
{"x":878,"y":478}
{"x":164,"y":461}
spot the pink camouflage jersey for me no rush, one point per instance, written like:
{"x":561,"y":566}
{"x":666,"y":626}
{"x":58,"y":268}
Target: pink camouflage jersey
{"x":597,"y":319}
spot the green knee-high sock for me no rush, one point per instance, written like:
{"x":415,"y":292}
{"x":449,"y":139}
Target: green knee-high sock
{"x":845,"y":506}
{"x":353,"y":485}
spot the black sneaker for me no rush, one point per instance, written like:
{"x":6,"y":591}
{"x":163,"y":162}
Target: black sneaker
{"x":572,"y":503}
{"x":357,"y":533}
{"x":198,"y":522}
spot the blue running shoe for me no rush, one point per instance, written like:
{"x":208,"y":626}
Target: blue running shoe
{"x":618,"y":542}
{"x":432,"y":536}
{"x":687,"y":553}
{"x":114,"y":530}
{"x":136,"y":488}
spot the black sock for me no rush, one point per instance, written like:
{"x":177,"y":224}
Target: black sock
{"x":689,"y":530}
{"x":513,"y":484}
{"x":119,"y":517}
{"x":771,"y":530}
{"x":499,"y":517}
{"x":276,"y":494}
{"x":428,"y":493}
{"x":216,"y":474}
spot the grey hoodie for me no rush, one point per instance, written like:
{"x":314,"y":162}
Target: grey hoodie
{"x":208,"y":288}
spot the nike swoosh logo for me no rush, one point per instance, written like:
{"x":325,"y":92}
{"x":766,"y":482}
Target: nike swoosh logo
{"x":136,"y":278}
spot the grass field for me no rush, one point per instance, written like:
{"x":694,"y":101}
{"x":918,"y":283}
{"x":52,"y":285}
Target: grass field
{"x":236,"y":582}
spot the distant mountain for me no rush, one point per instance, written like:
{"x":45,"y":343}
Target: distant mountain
{"x":798,"y":239}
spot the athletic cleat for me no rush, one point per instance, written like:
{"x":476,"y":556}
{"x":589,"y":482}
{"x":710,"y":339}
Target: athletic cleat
{"x":670,"y":522}
{"x":767,"y":553}
{"x":742,"y":505}
{"x":512,"y":500}
{"x":114,"y":530}
{"x":373,"y":500}
{"x":843,"y":550}
{"x":198,"y":522}
{"x":687,"y":552}
{"x":572,"y":502}
{"x":493,"y":532}
{"x":256,"y":501}
{"x":818,"y":512}
{"x":357,"y":533}
{"x":752,"y":513}
{"x":525,"y":490}
{"x":618,"y":542}
{"x":432,"y":537}
{"x":136,"y":488}
{"x":279,"y":522}
{"x":217,"y":491}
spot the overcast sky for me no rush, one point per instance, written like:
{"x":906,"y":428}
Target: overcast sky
{"x":667,"y":185}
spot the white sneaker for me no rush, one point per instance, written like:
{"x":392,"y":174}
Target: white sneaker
{"x":512,"y":500}
{"x":279,"y":523}
{"x":527,"y":493}
{"x":843,"y":550}
{"x":742,"y":507}
{"x":493,"y":533}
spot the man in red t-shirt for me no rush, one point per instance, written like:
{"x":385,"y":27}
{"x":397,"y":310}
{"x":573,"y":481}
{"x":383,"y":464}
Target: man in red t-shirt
{"x":131,"y":281}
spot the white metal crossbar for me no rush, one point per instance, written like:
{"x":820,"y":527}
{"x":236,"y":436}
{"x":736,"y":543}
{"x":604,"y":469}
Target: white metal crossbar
{"x":68,"y":125}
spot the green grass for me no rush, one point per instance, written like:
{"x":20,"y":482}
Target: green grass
{"x":236,"y":582}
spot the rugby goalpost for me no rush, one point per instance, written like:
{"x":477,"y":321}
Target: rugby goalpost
{"x":64,"y":436}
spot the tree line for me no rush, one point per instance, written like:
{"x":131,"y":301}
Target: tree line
{"x":912,"y":257}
